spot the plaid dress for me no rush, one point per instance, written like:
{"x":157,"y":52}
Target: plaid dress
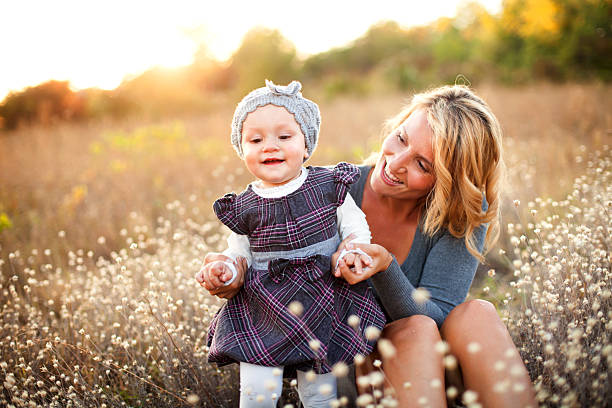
{"x":292,"y":239}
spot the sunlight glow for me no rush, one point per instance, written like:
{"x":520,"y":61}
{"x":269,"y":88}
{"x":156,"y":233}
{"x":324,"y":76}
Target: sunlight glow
{"x":97,"y":44}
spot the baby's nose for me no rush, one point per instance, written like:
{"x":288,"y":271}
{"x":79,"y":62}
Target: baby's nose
{"x":270,"y":145}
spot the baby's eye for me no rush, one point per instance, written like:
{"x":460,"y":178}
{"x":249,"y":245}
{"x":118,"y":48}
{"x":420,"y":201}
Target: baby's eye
{"x":255,"y":140}
{"x":285,"y":137}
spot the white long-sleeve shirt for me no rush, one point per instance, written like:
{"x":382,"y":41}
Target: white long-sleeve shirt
{"x":351,"y":220}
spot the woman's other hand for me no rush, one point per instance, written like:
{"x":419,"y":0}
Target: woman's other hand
{"x":213,"y":275}
{"x":351,"y":266}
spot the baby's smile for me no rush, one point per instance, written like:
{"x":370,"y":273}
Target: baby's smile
{"x":272,"y":161}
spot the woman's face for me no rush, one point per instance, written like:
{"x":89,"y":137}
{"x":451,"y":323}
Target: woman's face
{"x":405,"y":168}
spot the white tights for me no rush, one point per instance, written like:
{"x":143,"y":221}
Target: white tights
{"x":261,"y":386}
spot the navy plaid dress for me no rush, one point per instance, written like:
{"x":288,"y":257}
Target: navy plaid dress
{"x":292,"y":239}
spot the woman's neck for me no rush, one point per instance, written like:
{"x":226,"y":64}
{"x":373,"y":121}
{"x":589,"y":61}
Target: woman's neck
{"x":406,"y":210}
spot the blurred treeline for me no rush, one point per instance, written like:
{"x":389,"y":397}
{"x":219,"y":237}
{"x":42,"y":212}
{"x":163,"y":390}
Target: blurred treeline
{"x":530,"y":40}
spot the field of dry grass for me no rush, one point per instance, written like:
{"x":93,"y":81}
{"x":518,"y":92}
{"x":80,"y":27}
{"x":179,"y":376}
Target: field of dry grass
{"x":103,"y":225}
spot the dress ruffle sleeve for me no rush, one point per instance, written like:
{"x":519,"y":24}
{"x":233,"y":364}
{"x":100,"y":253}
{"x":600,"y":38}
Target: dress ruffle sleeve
{"x":345,"y":174}
{"x":226,"y":209}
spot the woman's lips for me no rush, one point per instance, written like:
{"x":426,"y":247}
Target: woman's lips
{"x":386,"y":179}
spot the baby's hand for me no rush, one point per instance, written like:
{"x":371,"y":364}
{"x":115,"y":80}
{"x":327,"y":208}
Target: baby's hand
{"x":352,"y":272}
{"x":357,"y":262}
{"x":221,"y":276}
{"x":215,"y":271}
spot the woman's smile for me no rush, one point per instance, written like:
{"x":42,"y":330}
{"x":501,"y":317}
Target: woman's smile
{"x":388,"y":178}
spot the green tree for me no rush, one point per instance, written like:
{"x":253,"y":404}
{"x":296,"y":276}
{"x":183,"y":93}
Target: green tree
{"x":263,"y":54}
{"x":585,"y":49}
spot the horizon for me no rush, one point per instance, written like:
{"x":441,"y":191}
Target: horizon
{"x":74,"y":41}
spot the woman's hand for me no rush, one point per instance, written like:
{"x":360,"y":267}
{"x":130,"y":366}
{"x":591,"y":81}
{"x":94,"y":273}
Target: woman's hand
{"x":213,"y":275}
{"x":351,"y":267}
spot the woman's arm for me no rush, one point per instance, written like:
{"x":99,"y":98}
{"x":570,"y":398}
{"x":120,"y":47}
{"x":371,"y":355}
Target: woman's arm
{"x":447,"y":275}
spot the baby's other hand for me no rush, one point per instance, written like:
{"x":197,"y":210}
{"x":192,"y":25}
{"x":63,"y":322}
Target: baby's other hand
{"x":214,"y":272}
{"x":215,"y":275}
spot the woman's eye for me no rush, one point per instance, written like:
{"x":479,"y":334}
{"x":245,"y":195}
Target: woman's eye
{"x":399,"y":137}
{"x":423,"y":166}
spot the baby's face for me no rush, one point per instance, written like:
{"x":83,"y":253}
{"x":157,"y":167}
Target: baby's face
{"x":273,"y":145}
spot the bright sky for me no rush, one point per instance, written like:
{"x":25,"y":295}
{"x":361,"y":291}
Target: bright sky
{"x":97,"y":43}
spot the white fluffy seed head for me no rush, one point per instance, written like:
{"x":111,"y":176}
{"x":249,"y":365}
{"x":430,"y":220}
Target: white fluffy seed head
{"x":270,"y":385}
{"x":516,"y":370}
{"x":340,"y":369}
{"x":372,"y":333}
{"x":314,"y":344}
{"x":452,"y":392}
{"x":501,"y":386}
{"x":420,"y":295}
{"x":377,"y":378}
{"x":363,"y":381}
{"x":469,"y":397}
{"x":450,"y":362}
{"x":353,"y":321}
{"x":441,"y":347}
{"x":474,"y":347}
{"x":311,"y":376}
{"x":325,"y":389}
{"x":364,"y":400}
{"x":296,"y":308}
{"x":386,"y":348}
{"x":499,"y":365}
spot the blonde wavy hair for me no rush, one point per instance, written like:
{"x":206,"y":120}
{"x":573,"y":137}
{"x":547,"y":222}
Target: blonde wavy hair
{"x":468,"y":164}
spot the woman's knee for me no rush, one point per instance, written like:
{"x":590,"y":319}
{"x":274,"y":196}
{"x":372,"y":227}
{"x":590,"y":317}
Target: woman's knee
{"x":411,"y":329}
{"x":469,"y":314}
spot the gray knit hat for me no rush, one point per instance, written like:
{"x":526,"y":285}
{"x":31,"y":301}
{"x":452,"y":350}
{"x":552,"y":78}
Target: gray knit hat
{"x":306,"y":112}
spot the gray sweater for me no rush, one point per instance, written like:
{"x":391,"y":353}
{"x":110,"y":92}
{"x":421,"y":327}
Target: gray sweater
{"x":441,"y":264}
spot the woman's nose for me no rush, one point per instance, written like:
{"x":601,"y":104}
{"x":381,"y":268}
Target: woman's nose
{"x":397,"y":162}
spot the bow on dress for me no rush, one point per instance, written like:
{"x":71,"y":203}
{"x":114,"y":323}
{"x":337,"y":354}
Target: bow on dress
{"x":313,"y":266}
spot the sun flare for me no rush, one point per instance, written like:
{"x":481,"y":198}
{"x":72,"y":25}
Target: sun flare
{"x":99,"y":44}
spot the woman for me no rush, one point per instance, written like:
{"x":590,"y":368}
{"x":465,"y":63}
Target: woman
{"x":432,"y":203}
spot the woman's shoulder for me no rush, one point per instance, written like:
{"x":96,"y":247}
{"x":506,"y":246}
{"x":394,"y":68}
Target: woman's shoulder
{"x":357,"y":188}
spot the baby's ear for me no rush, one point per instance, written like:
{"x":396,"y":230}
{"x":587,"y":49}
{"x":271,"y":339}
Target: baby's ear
{"x":306,"y":155}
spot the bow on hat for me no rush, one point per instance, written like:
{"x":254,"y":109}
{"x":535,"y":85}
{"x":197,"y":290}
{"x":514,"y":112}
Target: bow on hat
{"x":292,"y":89}
{"x":314,"y":267}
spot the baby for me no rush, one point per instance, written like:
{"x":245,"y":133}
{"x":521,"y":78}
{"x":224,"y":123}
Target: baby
{"x":291,"y":312}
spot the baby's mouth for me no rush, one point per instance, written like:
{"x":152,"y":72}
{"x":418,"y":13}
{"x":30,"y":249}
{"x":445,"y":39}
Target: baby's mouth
{"x":272,"y":161}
